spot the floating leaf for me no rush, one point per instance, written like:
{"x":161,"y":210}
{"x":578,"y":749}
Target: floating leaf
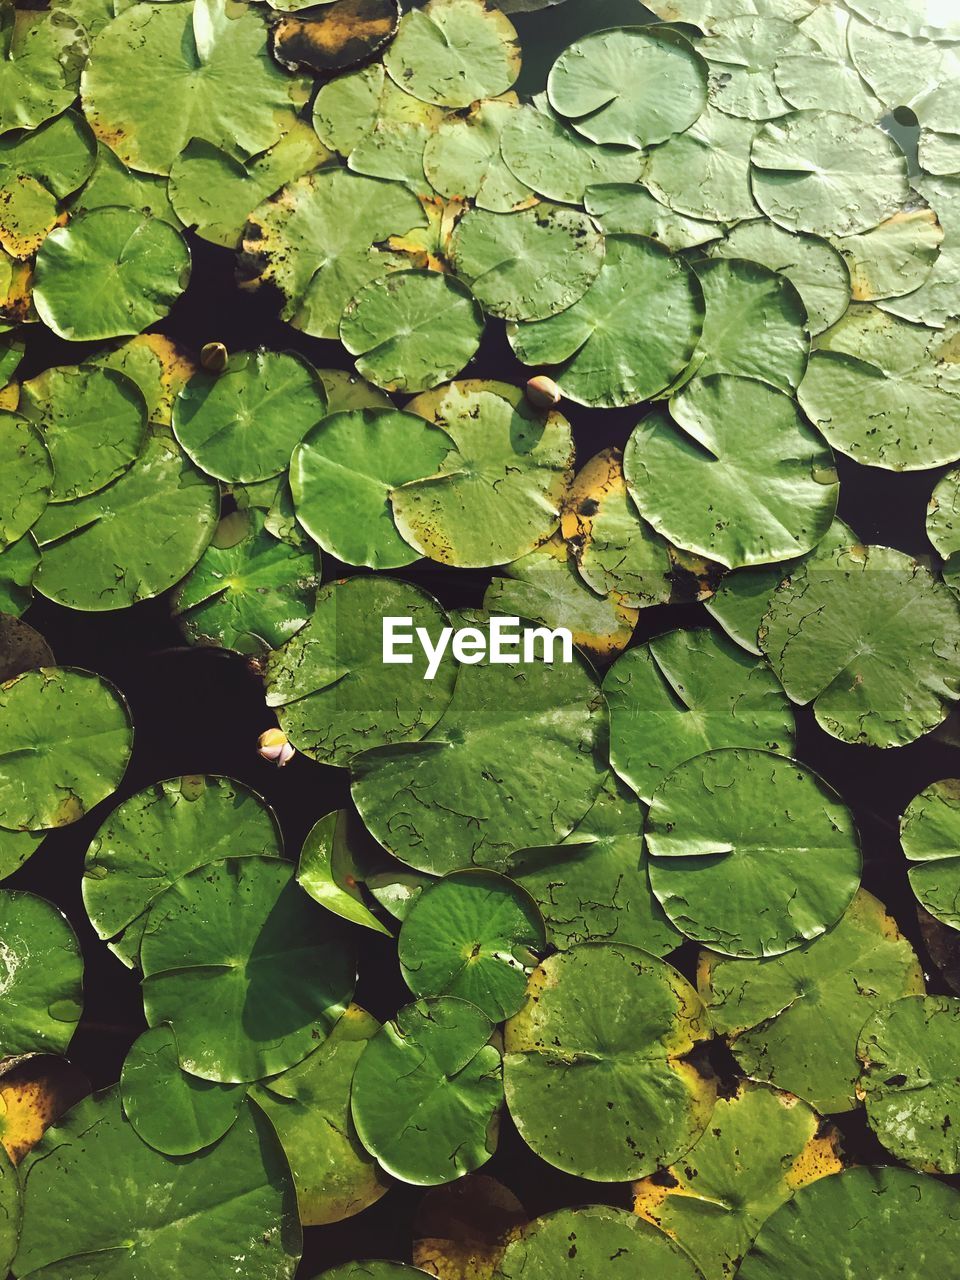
{"x":930,"y":835}
{"x":18,"y":564}
{"x":26,"y":477}
{"x":824,"y":78}
{"x":932,"y":19}
{"x":498,"y":494}
{"x":684,"y":693}
{"x":160,"y":834}
{"x":41,"y":976}
{"x":67,"y":739}
{"x":109,"y":272}
{"x":751,"y":853}
{"x":347,"y":390}
{"x":623,"y":209}
{"x":871,"y":639}
{"x":742,"y":54}
{"x":9,"y":1212}
{"x":705,"y":172}
{"x":938,"y":299}
{"x":772,"y":488}
{"x":43,"y":54}
{"x":336,"y":37}
{"x":330,"y":873}
{"x":217,"y":948}
{"x":939,"y":153}
{"x":928,"y":88}
{"x":895,"y":258}
{"x":376,"y":1269}
{"x":629,"y":337}
{"x":462,"y":159}
{"x":28,"y":211}
{"x":793,"y":1020}
{"x":60,"y":154}
{"x":545,"y":154}
{"x":159,"y":366}
{"x":112,"y":183}
{"x":419,"y":1131}
{"x":453,"y":52}
{"x":615,"y":1097}
{"x":174,"y":1112}
{"x":461,"y":1229}
{"x":761,"y":1146}
{"x":333,"y":692}
{"x":35,"y":1090}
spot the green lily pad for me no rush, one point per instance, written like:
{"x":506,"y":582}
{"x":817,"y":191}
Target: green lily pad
{"x":174,"y":1112}
{"x":761,"y":1147}
{"x":60,"y":154}
{"x":158,"y":365}
{"x":412,"y":330}
{"x":497,"y":495}
{"x":475,"y":935}
{"x":612,"y":1097}
{"x":527,"y":265}
{"x":83,"y":542}
{"x":629,"y":209}
{"x":9,"y":1211}
{"x":317,"y":243}
{"x":863,"y":1222}
{"x":397,"y":888}
{"x":910,"y":378}
{"x":43,"y":55}
{"x":593,"y":886}
{"x":203,"y":71}
{"x":742,"y":54}
{"x":94,"y":424}
{"x":930,"y":835}
{"x":348,"y":107}
{"x":771,"y":480}
{"x":333,"y":693}
{"x":112,"y":183}
{"x":629,"y":85}
{"x":702,"y":13}
{"x":420,"y":1132}
{"x":827,"y":173}
{"x":515,"y":758}
{"x":824,"y":78}
{"x":26,"y":477}
{"x":705,"y":172}
{"x":18,"y":564}
{"x":109,"y":272}
{"x":629,"y":337}
{"x":608,"y":1242}
{"x":813,"y":266}
{"x":871,"y":639}
{"x":309,"y":1106}
{"x":909,"y":1052}
{"x":28,"y":212}
{"x":15,"y":848}
{"x":215,"y":193}
{"x":41,"y":976}
{"x":347,"y":390}
{"x":242,"y":424}
{"x":249,"y":591}
{"x":67,"y":739}
{"x":453,"y":52}
{"x":684,"y":693}
{"x":462,"y":159}
{"x":793,"y":1020}
{"x":338,"y":36}
{"x":219,"y":946}
{"x":938,"y":299}
{"x":330,"y":873}
{"x":159,"y":835}
{"x":546,"y":587}
{"x":895,"y":258}
{"x":78,"y":1215}
{"x":775,"y":849}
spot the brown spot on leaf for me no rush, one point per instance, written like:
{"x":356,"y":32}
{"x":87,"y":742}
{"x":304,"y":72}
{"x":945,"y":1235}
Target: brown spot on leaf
{"x":335,"y":37}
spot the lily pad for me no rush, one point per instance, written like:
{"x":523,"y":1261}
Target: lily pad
{"x":515,"y":760}
{"x":462,"y":1228}
{"x":109,"y":272}
{"x":250,"y":591}
{"x":18,"y":564}
{"x":794,"y":1020}
{"x":421,"y":1132}
{"x":309,"y":1106}
{"x":330,"y":873}
{"x":475,"y":935}
{"x":159,"y":366}
{"x":527,"y":265}
{"x":333,"y":692}
{"x":242,"y":424}
{"x":43,"y":55}
{"x":35,"y":1090}
{"x":60,"y":154}
{"x":174,"y":1112}
{"x":629,"y":85}
{"x":26,"y":477}
{"x":28,"y":212}
{"x":335,"y":37}
{"x":217,"y":948}
{"x":863,"y":1221}
{"x":593,"y":886}
{"x":827,"y":173}
{"x":928,"y":90}
{"x":497,"y":495}
{"x":761,"y":1147}
{"x":94,"y":424}
{"x":895,"y":258}
{"x":546,"y":155}
{"x":375,"y":1269}
{"x":909,"y":1051}
{"x":824,"y":77}
{"x":203,"y":71}
{"x":770,"y":481}
{"x":742,"y":54}
{"x":930,"y":835}
{"x":612,"y":1097}
{"x":41,"y":976}
{"x":239,"y":1197}
{"x":96,"y":554}
{"x":629,"y":209}
{"x":932,"y":19}
{"x":751,"y":853}
{"x":630,"y":336}
{"x":871,"y":639}
{"x":938,"y":299}
{"x":462,"y":159}
{"x":159,"y":835}
{"x":112,"y":183}
{"x":9,"y":1211}
{"x":412,"y":330}
{"x":453,"y":52}
{"x":704,"y":173}
{"x":684,"y":693}
{"x":67,"y":739}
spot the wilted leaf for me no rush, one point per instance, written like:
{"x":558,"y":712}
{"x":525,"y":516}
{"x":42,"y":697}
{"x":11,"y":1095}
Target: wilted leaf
{"x":41,"y":976}
{"x":335,"y":37}
{"x":35,"y":1090}
{"x":462,"y":1229}
{"x":159,"y":366}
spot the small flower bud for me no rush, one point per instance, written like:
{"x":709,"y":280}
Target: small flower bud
{"x":543,"y":392}
{"x":214,"y":357}
{"x":275,"y":748}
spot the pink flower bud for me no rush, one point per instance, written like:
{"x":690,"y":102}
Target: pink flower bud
{"x":275,"y":747}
